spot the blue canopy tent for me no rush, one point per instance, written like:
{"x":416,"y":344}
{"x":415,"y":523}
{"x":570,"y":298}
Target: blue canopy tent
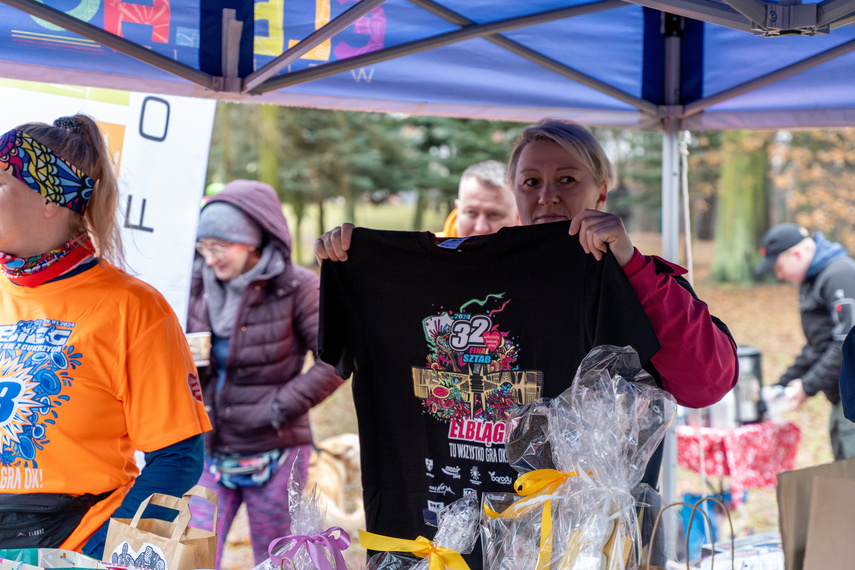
{"x":749,"y":64}
{"x":650,"y":64}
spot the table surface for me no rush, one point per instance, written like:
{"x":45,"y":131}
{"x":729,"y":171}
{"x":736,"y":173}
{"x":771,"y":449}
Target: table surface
{"x":751,"y":455}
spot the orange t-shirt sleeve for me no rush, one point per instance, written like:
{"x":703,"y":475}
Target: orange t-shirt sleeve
{"x":450,"y":228}
{"x":163,"y":398}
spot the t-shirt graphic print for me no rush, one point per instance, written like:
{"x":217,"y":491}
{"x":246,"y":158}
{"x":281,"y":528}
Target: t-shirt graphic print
{"x":36,"y":362}
{"x":471,"y":380}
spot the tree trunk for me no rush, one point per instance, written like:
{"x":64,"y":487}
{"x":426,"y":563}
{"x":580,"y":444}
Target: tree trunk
{"x":741,"y":206}
{"x":268,"y":150}
{"x":349,"y":200}
{"x":298,"y":206}
{"x":268,"y":167}
{"x":419,"y":215}
{"x":228,"y":151}
{"x":321,"y":223}
{"x":297,"y":242}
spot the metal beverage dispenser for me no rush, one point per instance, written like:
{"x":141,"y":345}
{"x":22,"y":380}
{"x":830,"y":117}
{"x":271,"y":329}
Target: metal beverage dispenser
{"x":750,"y":406}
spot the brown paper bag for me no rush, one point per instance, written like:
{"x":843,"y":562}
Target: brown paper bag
{"x":829,"y":534}
{"x":162,"y":545}
{"x":795,"y":489}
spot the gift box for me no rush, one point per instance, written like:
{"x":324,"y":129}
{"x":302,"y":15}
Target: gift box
{"x":309,"y":546}
{"x":457,"y":532}
{"x":581,"y":514}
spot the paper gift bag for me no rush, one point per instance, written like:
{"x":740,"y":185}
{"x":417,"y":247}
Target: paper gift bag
{"x":829,"y":543}
{"x":44,"y":558}
{"x":39,"y":558}
{"x":153,"y":543}
{"x":795,"y":498}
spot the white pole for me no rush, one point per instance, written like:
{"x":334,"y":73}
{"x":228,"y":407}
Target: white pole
{"x":670,"y":239}
{"x":687,"y":219}
{"x":671,"y":190}
{"x":670,"y":223}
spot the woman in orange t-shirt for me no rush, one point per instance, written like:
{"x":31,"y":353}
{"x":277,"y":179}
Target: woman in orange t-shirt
{"x":93,"y":362}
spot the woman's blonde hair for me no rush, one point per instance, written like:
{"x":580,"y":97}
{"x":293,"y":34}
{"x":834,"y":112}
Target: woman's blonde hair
{"x":573,"y":138}
{"x":81,"y":142}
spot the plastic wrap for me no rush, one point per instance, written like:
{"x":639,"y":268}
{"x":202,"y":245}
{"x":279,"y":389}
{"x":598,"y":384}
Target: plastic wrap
{"x":457,"y":533}
{"x":309,"y":546}
{"x":510,"y":532}
{"x":527,"y":447}
{"x":581,"y":514}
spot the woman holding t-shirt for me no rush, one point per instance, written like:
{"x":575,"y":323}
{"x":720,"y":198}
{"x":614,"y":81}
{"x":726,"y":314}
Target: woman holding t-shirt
{"x":560,"y":173}
{"x":93,"y":362}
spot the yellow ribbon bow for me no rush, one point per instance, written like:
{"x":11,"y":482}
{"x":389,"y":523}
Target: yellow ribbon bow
{"x":439,"y":558}
{"x":537,"y":482}
{"x":540,"y":480}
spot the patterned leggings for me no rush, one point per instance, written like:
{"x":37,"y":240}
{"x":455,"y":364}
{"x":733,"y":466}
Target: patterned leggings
{"x":266,"y":505}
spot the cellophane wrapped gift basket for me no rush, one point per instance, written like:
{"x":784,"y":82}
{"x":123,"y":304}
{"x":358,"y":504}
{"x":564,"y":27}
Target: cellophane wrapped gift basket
{"x":581,"y":457}
{"x":309,"y":546}
{"x":457,"y":533}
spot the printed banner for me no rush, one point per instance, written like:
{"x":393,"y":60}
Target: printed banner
{"x":160,"y":146}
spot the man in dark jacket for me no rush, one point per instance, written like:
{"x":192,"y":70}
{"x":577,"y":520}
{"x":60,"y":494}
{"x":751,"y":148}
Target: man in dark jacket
{"x":262,"y":312}
{"x":825,"y":275}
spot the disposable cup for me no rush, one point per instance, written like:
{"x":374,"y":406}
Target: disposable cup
{"x":200,"y":346}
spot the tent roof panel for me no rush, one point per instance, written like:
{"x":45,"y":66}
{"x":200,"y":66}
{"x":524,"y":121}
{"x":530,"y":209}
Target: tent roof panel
{"x":751,"y":57}
{"x":609,"y":63}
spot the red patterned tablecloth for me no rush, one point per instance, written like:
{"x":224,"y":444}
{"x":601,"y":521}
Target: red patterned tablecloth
{"x":751,"y":455}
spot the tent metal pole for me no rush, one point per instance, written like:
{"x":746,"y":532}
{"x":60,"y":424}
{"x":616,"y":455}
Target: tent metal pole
{"x":569,"y":72}
{"x":540,"y":59}
{"x":711,"y":12}
{"x":467,"y":32}
{"x":738,"y":14}
{"x":112,"y":41}
{"x":670,"y":187}
{"x":670,"y":148}
{"x":672,"y":31}
{"x":470,"y":31}
{"x":834,"y":13}
{"x":805,"y":64}
{"x":232,"y":31}
{"x":751,"y":9}
{"x":308,"y":43}
{"x":670,"y":223}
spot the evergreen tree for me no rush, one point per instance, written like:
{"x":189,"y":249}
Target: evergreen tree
{"x":445,"y":147}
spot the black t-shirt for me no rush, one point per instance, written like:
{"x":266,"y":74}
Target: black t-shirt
{"x":445,"y":342}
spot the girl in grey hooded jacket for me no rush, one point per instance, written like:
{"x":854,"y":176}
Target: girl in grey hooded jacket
{"x":262,"y":312}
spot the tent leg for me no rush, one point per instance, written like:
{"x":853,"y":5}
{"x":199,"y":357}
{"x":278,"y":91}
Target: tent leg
{"x":672,"y":31}
{"x":670,"y":190}
{"x":670,"y":240}
{"x":672,"y":28}
{"x":232,"y":31}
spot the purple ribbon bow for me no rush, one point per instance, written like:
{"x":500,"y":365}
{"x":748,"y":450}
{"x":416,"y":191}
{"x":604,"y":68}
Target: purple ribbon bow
{"x":334,"y":539}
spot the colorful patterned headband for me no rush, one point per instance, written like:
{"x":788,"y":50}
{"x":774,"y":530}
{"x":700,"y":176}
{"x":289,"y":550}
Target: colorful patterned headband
{"x":44,"y":171}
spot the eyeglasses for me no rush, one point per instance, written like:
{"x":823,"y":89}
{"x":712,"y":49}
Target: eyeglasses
{"x":217,"y":250}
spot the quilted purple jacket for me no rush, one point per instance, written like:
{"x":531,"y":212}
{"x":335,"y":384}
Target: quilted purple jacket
{"x":267,"y":395}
